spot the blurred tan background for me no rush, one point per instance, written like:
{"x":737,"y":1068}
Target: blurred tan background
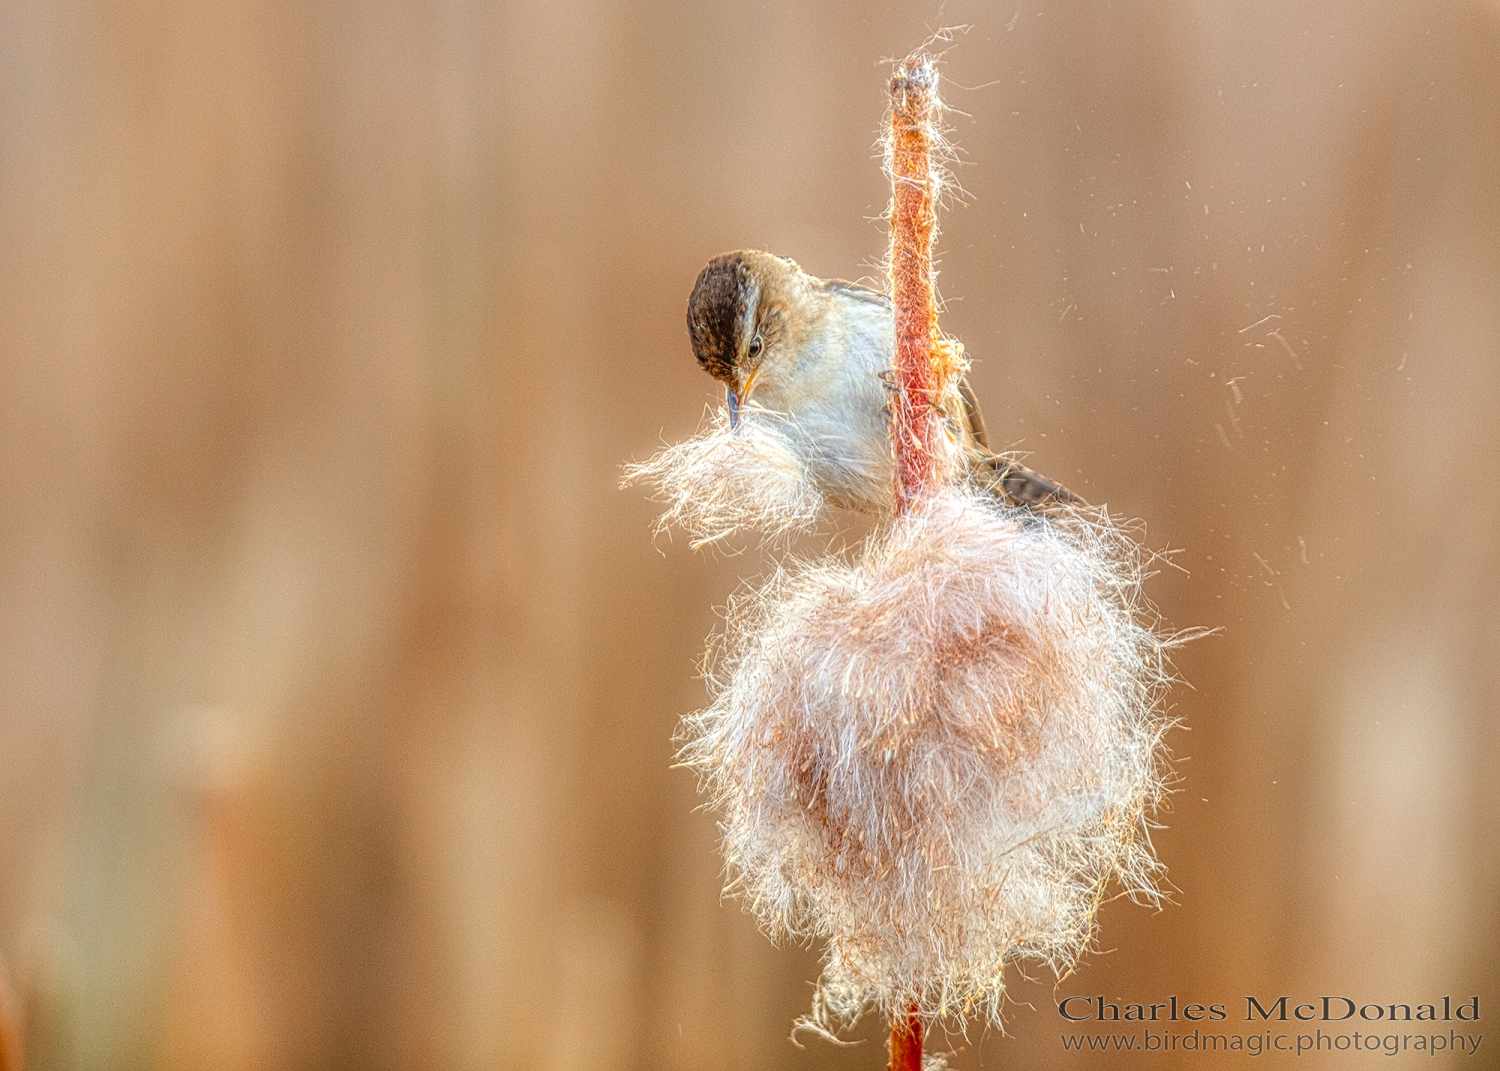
{"x":337,"y":677}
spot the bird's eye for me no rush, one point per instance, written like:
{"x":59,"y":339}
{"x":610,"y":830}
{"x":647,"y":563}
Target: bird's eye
{"x":755,"y":346}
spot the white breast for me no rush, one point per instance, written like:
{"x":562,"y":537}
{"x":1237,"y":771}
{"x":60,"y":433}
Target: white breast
{"x":838,"y":413}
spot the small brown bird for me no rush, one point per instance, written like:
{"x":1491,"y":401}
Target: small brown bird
{"x":816,"y":354}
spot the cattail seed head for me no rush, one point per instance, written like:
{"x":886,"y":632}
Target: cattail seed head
{"x":937,"y":757}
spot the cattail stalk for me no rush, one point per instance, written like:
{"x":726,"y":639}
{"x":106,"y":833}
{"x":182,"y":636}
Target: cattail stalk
{"x":936,"y":756}
{"x":906,"y":1042}
{"x":919,"y":361}
{"x":915,"y":430}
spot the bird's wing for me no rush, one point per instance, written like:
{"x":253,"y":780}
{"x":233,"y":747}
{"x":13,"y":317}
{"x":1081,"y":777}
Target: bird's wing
{"x":1004,"y":476}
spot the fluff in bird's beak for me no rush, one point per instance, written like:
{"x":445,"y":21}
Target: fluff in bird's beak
{"x":739,"y":472}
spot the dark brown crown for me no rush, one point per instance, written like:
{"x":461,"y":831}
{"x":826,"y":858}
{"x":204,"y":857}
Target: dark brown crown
{"x":715,"y":310}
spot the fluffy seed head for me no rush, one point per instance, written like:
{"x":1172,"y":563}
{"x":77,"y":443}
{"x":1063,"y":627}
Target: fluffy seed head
{"x":725,"y":480}
{"x":938,"y":756}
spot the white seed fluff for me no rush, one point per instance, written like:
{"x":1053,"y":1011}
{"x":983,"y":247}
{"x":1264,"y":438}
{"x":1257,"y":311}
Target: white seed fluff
{"x":723,"y":481}
{"x":937,"y":757}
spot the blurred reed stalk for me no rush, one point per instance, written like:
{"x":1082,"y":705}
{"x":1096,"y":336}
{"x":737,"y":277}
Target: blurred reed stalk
{"x":10,"y":1026}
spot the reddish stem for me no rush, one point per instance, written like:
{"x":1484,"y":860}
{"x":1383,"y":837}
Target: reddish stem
{"x":906,"y":1042}
{"x":915,"y":429}
{"x":10,"y":1027}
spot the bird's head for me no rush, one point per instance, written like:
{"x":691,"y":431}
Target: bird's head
{"x":746,"y":317}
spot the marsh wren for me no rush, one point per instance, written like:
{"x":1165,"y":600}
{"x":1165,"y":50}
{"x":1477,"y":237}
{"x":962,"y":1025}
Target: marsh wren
{"x":816,"y":353}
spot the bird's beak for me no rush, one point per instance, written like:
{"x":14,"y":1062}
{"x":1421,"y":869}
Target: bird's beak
{"x":736,"y":400}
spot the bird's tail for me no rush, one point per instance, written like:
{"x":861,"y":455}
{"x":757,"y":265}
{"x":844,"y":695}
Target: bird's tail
{"x":1007,"y":478}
